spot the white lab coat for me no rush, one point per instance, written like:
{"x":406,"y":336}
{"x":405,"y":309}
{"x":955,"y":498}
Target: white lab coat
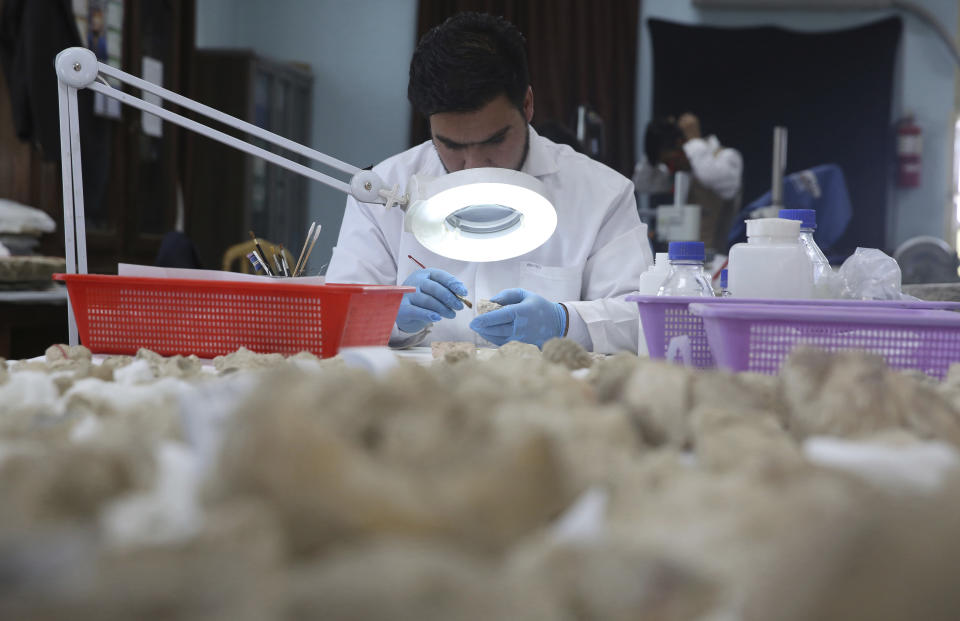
{"x":718,"y":168}
{"x":594,"y":258}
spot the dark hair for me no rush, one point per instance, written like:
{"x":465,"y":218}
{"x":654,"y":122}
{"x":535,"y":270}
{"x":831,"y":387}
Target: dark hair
{"x":662,"y":134}
{"x":465,"y":63}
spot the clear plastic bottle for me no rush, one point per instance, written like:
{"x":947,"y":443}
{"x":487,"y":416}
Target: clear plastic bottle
{"x":724,"y":291}
{"x":687,"y":277}
{"x":771,"y":264}
{"x":823,"y":278}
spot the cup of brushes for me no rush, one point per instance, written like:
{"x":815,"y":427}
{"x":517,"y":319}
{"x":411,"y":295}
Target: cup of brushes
{"x":280,"y":268}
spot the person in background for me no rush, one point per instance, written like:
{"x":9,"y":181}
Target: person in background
{"x":97,"y":32}
{"x":469,"y":78}
{"x":672,"y":145}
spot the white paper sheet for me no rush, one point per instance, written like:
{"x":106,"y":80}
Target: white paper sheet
{"x":149,"y":271}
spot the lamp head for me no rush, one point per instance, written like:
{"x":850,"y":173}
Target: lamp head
{"x":480,"y":214}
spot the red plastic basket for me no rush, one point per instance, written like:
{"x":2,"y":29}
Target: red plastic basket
{"x":121,"y":314}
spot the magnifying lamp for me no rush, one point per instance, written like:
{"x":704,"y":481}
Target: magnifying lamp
{"x":483,"y":214}
{"x":480,"y":214}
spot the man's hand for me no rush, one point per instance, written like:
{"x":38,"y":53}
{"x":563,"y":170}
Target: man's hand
{"x":689,"y":125}
{"x":525,"y":316}
{"x":433,"y":299}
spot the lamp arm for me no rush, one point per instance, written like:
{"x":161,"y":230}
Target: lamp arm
{"x":78,"y":68}
{"x":219,"y":136}
{"x":224,"y":118}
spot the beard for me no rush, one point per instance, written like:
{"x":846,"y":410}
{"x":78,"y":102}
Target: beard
{"x":526,"y":147}
{"x":523,"y":155}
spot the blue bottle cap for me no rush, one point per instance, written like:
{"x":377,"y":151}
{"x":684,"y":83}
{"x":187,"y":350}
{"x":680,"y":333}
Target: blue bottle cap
{"x":807,"y":217}
{"x":686,"y":251}
{"x":723,"y":278}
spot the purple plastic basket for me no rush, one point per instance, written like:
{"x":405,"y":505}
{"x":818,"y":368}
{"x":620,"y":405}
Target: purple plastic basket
{"x":759,"y":337}
{"x":663,"y":319}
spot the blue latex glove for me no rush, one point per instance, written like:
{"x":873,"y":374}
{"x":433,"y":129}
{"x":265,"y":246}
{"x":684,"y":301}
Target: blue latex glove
{"x":433,"y":299}
{"x":525,"y":316}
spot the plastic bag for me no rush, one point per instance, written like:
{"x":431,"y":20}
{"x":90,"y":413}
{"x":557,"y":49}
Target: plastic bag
{"x":827,"y":284}
{"x":871,"y":274}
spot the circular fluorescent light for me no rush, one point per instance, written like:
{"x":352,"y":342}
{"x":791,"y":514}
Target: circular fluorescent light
{"x":483,"y":214}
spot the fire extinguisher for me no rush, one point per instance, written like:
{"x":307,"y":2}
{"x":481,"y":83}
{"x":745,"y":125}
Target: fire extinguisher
{"x":909,"y":149}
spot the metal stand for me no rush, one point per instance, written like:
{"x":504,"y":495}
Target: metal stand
{"x":74,"y":223}
{"x":779,"y":166}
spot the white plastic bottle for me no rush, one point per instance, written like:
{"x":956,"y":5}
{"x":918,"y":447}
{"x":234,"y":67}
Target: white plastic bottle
{"x":823,"y":277}
{"x":650,"y":282}
{"x":651,"y":279}
{"x":772,"y":264}
{"x":686,"y":277}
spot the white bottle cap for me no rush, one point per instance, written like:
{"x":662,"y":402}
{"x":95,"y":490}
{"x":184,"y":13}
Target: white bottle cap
{"x":773,"y":227}
{"x":662,"y":258}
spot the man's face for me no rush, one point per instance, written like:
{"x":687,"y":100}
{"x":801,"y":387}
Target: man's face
{"x":495,"y":135}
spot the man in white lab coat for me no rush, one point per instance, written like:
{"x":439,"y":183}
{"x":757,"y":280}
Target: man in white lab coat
{"x":468,"y":76}
{"x":672,"y":145}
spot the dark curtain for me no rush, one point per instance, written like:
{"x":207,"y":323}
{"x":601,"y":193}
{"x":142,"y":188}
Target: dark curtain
{"x":832,"y":90}
{"x":578,"y":53}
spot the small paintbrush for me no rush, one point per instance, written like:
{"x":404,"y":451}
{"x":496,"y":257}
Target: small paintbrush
{"x":257,"y":261}
{"x":283,"y":262}
{"x":459,"y":297}
{"x":306,"y":242}
{"x":262,"y":253}
{"x":252,"y":256}
{"x":316,"y":235}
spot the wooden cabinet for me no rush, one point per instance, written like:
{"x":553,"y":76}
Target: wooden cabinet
{"x":232,"y":193}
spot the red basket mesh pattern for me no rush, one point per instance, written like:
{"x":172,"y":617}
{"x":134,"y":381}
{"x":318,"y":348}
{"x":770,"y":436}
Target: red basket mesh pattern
{"x":120,"y":314}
